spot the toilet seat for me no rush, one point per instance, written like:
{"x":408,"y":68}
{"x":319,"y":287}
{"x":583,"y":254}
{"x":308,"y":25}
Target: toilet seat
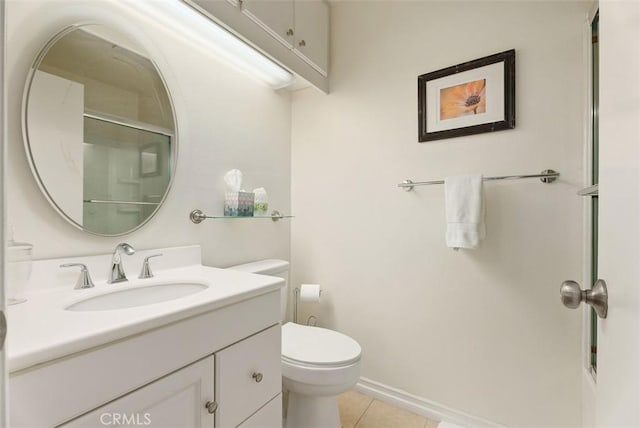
{"x":317,"y":347}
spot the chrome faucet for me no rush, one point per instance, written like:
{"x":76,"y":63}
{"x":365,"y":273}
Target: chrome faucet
{"x":116,"y":273}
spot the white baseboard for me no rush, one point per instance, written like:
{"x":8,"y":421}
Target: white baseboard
{"x":421,"y":406}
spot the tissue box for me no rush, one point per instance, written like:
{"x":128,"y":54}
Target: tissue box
{"x":238,"y":204}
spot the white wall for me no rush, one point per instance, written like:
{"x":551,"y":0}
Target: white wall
{"x":225,"y":120}
{"x":480,"y":331}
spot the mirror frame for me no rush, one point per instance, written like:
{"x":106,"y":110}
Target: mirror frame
{"x":25,"y":134}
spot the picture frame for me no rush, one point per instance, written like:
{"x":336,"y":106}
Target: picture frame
{"x":150,"y":160}
{"x":469,"y":98}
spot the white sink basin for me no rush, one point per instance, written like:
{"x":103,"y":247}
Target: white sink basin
{"x":140,"y":296}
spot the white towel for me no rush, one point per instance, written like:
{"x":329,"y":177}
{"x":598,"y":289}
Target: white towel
{"x":464,"y":203}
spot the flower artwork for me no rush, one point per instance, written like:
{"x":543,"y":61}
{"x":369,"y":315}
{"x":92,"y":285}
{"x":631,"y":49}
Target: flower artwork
{"x":469,"y":98}
{"x":460,"y":100}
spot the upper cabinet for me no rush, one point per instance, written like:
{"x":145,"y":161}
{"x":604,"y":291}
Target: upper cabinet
{"x":275,"y":17}
{"x":311,"y":43}
{"x":295,"y":33}
{"x":302,"y":25}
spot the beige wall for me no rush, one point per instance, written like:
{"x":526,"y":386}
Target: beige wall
{"x":225,"y":120}
{"x":480,"y":331}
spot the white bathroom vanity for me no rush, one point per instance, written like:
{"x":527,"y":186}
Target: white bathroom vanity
{"x":106,"y":356}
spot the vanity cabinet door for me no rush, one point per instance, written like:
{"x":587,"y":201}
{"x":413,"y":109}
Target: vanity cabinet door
{"x":248,"y":375}
{"x":177,"y":400}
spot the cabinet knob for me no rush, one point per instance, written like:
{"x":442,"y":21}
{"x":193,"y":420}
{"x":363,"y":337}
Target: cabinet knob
{"x":257,"y":377}
{"x":211,"y":406}
{"x":290,"y":32}
{"x":302,"y":43}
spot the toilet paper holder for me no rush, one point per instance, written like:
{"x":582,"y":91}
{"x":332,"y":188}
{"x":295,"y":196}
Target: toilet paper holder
{"x":296,"y":294}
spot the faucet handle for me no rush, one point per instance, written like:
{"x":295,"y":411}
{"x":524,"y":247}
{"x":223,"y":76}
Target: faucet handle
{"x":146,"y":269}
{"x":84,"y":280}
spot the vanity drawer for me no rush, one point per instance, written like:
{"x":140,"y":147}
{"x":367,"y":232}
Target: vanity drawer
{"x":248,"y":375}
{"x":269,"y":416}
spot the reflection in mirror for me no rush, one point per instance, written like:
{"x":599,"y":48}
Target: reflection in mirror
{"x":100,"y":130}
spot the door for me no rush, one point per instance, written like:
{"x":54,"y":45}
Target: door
{"x":617,"y":382}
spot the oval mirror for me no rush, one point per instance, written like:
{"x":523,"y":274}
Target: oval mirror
{"x":99,"y":130}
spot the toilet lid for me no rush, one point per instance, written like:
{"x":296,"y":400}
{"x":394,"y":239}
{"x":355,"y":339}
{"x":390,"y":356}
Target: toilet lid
{"x":315,"y":345}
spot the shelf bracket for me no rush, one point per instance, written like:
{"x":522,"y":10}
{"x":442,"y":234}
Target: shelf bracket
{"x":197,"y":216}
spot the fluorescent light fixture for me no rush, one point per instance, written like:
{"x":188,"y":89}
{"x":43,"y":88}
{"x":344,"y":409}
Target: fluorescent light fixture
{"x":198,"y":30}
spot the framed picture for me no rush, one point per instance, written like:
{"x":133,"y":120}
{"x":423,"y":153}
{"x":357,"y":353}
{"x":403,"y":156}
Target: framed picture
{"x":470,"y":98}
{"x":150,"y":163}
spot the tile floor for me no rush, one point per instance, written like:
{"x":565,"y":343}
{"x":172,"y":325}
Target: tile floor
{"x":361,"y":411}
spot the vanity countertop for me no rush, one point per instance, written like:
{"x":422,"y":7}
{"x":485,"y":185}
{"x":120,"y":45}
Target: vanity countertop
{"x":42,"y":330}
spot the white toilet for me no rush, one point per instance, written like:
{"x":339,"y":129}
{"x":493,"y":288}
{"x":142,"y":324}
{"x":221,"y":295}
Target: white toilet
{"x":317,"y":363}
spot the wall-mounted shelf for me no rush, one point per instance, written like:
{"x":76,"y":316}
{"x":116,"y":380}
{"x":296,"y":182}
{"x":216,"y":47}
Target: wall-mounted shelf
{"x":197,"y":216}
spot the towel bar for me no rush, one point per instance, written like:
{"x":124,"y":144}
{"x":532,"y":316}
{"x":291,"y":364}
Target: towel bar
{"x":546,"y":176}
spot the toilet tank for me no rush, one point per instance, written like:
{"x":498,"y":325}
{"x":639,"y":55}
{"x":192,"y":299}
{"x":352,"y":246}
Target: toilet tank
{"x":271,"y":267}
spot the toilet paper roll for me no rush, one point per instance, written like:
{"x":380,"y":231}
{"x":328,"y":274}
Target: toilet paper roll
{"x":309,"y":292}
